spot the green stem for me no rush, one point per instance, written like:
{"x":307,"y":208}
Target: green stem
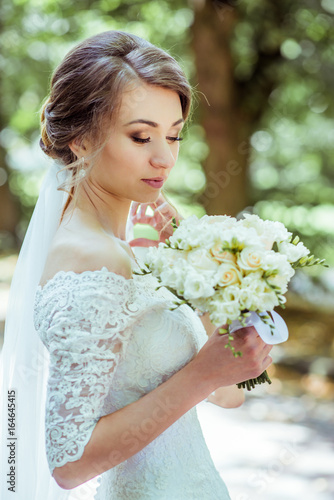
{"x":251,"y":383}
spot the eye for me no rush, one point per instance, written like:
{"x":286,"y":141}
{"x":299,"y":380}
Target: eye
{"x":175,"y":138}
{"x":141,"y":141}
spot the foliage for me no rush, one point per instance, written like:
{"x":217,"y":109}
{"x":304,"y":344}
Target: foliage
{"x":35,"y":35}
{"x":281,"y":49}
{"x":288,"y":47}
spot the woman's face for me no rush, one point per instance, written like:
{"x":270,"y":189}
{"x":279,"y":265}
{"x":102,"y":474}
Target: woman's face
{"x":143,"y":147}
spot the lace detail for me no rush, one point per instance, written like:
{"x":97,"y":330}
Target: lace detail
{"x":112,"y":340}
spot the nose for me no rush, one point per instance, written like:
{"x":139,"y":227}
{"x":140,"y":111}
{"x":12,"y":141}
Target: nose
{"x":162,"y":156}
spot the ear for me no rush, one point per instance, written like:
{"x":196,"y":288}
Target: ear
{"x":78,"y":147}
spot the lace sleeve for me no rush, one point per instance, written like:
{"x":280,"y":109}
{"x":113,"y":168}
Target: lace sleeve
{"x":84,"y":321}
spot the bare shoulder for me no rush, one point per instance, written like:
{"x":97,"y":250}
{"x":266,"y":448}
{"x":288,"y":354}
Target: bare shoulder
{"x":89,"y":253}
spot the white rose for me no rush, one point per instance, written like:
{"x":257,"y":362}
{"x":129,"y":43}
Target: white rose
{"x":228,"y":274}
{"x":251,"y":258}
{"x":222,"y":255}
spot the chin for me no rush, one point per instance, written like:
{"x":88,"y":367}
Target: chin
{"x":152,"y":198}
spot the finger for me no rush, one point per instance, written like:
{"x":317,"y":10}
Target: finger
{"x":163,"y":208}
{"x":267,"y":362}
{"x":142,"y":210}
{"x":143,"y":242}
{"x":138,"y":213}
{"x":267,"y":348}
{"x":134,"y":208}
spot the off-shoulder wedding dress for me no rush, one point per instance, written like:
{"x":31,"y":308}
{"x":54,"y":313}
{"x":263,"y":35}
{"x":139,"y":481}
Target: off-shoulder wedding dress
{"x":111,"y":341}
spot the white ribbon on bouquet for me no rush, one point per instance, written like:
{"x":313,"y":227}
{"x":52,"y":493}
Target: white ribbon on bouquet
{"x":270,"y":336}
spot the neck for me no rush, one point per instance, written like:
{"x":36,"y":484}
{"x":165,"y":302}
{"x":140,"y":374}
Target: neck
{"x":104,"y":210}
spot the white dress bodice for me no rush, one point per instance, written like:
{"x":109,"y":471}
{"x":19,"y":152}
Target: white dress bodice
{"x":111,"y":341}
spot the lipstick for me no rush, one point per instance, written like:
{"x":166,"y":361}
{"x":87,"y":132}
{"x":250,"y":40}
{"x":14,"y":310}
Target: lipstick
{"x":155,"y":183}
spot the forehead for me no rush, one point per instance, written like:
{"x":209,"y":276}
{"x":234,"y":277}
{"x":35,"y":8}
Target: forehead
{"x":151,"y":103}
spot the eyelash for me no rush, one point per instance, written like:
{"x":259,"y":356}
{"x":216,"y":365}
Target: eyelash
{"x":144,"y":141}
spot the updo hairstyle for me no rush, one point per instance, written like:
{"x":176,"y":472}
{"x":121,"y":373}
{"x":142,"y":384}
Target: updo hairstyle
{"x":86,"y":91}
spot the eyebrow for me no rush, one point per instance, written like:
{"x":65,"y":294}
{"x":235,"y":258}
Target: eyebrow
{"x":153,"y":124}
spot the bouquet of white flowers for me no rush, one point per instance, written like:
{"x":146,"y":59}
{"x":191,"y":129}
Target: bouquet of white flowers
{"x":229,"y":268}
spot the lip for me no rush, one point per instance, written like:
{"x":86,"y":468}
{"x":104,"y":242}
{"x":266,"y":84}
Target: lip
{"x":156,"y":182}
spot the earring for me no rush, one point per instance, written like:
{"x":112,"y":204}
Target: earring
{"x":82,"y":171}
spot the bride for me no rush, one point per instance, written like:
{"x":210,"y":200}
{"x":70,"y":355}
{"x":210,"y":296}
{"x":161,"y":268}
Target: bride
{"x":120,"y":374}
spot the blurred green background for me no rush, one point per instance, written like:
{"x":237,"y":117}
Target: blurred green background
{"x":261,"y":138}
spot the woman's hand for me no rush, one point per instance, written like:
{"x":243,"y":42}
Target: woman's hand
{"x":163,"y":213}
{"x":220,"y":368}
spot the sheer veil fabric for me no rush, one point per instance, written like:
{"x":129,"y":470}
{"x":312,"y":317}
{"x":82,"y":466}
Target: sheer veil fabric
{"x":24,"y":362}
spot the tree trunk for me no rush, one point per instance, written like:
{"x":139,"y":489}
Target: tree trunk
{"x":226,"y":127}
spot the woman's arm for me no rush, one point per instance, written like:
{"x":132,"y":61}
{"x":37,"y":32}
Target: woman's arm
{"x":125,"y":432}
{"x":226,"y":397}
{"x":119,"y":435}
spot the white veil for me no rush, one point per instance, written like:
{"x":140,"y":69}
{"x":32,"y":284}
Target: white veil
{"x":24,"y":363}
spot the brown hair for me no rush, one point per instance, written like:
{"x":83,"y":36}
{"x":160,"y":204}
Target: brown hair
{"x":87,"y":87}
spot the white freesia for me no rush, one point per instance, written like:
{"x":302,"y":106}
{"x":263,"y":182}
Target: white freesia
{"x":197,"y":286}
{"x":157,"y":258}
{"x":231,"y":293}
{"x":246,"y":299}
{"x":275,"y":261}
{"x":266,"y":301}
{"x":190,"y":234}
{"x":251,"y":287}
{"x":202,"y":260}
{"x":293,"y":252}
{"x":174,"y":274}
{"x":280,"y":281}
{"x":236,"y":237}
{"x":225,"y":220}
{"x":222,"y":310}
{"x":268,"y":231}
